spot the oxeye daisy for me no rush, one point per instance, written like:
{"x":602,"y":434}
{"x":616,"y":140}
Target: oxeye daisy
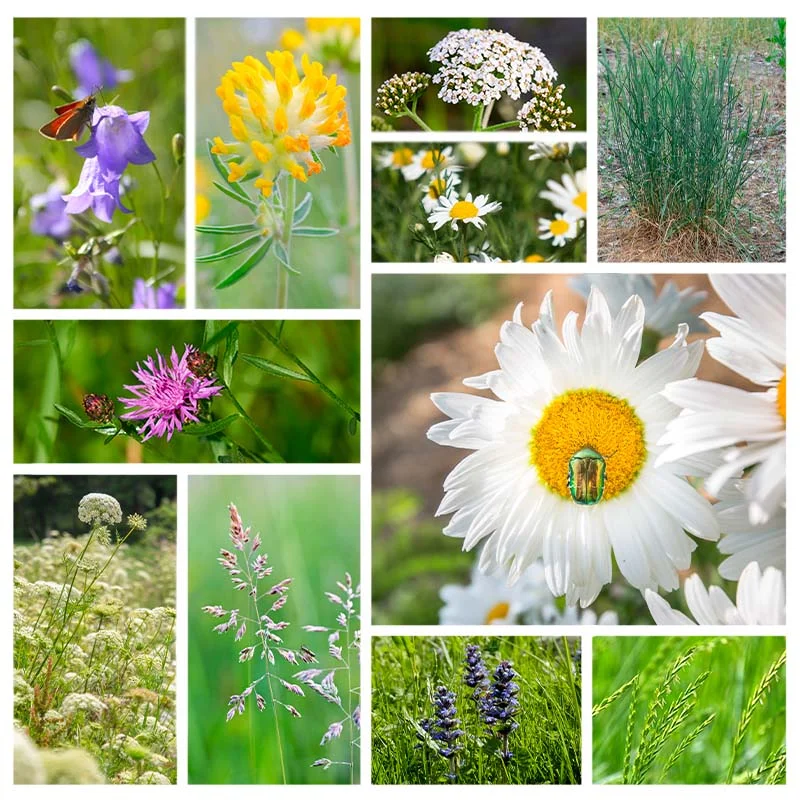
{"x":753,"y":344}
{"x":559,"y":229}
{"x":279,"y":120}
{"x":451,"y":210}
{"x":555,"y":152}
{"x":168,"y":395}
{"x":564,"y":462}
{"x":569,"y":195}
{"x":440,"y":186}
{"x":426,"y":161}
{"x":395,"y":159}
{"x":760,"y":600}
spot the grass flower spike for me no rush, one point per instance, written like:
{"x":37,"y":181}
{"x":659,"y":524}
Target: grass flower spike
{"x":279,"y":120}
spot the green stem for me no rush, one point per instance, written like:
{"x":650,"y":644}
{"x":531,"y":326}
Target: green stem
{"x":487,"y":112}
{"x":161,"y":217}
{"x":477,"y":117}
{"x":252,"y":425}
{"x":324,"y":387}
{"x":282,"y":291}
{"x":414,"y":116}
{"x":502,"y":126}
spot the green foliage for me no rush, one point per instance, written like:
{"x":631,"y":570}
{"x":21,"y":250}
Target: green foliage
{"x":778,"y":38}
{"x":150,"y":240}
{"x":314,"y":547}
{"x":546,"y":746}
{"x":278,"y":416}
{"x":689,"y":710}
{"x":743,"y":32}
{"x":681,"y":131}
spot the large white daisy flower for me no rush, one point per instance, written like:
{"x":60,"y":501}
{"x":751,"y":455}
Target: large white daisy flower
{"x":663,"y":312}
{"x":450,"y":210}
{"x":554,"y":152}
{"x":569,"y":195}
{"x":426,"y":161}
{"x":718,"y":416}
{"x":441,"y":185}
{"x":563,"y":467}
{"x":760,"y":600}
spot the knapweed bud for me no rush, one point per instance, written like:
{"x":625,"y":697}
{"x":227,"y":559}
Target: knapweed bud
{"x":98,"y":407}
{"x":201,"y":364}
{"x":178,"y":148}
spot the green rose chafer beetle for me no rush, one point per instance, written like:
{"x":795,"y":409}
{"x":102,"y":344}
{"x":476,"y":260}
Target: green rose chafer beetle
{"x":587,"y":477}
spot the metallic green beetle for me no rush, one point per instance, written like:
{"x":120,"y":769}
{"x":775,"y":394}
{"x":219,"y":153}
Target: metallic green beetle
{"x":587,"y":477}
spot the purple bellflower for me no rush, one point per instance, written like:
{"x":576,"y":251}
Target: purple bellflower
{"x":50,"y":217}
{"x":147,"y":296}
{"x":93,"y":72}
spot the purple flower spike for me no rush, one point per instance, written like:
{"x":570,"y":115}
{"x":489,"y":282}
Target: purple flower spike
{"x":168,"y":395}
{"x":50,"y":216}
{"x":93,"y":72}
{"x":146,"y":296}
{"x":97,"y":190}
{"x":117,"y":139}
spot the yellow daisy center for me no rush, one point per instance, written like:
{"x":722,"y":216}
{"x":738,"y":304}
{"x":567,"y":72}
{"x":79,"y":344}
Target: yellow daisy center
{"x":580,"y":201}
{"x":588,"y":418}
{"x":497,"y":611}
{"x":437,"y":188}
{"x":534,"y":258}
{"x":402,"y":157}
{"x":463,"y":209}
{"x":781,"y":399}
{"x":558,"y":227}
{"x":431,"y":159}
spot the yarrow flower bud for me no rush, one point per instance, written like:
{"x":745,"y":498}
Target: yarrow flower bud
{"x":397,"y":93}
{"x":546,"y":111}
{"x":98,"y":407}
{"x":99,"y":509}
{"x":380,"y":124}
{"x":201,"y":364}
{"x":500,"y":706}
{"x":475,"y":673}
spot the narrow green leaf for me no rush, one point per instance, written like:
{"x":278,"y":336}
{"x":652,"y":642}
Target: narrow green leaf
{"x":224,"y":188}
{"x":226,"y":230}
{"x":248,"y":264}
{"x":231,"y":352}
{"x":219,"y":335}
{"x":70,"y":415}
{"x":315,"y":231}
{"x":274,"y":369}
{"x":223,"y":172}
{"x":352,"y":426}
{"x":208,"y":333}
{"x":302,"y":210}
{"x":283,"y":257}
{"x":221,"y":255}
{"x":210,"y":428}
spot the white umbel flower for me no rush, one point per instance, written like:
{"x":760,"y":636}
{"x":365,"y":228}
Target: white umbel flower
{"x":98,"y":509}
{"x":563,"y":467}
{"x":663,"y":311}
{"x":451,"y":210}
{"x":760,"y":600}
{"x":718,"y":416}
{"x":569,"y":195}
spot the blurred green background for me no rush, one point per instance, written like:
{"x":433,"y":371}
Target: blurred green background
{"x":736,"y":665}
{"x":329,"y":266}
{"x":310,"y":530}
{"x":299,"y":420}
{"x":401,"y":45}
{"x":154,"y":50}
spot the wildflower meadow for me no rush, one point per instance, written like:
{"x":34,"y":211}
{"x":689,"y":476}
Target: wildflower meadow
{"x":699,"y":710}
{"x":99,"y":181}
{"x":277,"y":166}
{"x":178,"y":391}
{"x":274,"y":630}
{"x":94,"y":630}
{"x":481,"y":710}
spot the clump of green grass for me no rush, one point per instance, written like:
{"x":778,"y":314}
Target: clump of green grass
{"x":682,"y":133}
{"x":545,"y":748}
{"x":714,"y":714}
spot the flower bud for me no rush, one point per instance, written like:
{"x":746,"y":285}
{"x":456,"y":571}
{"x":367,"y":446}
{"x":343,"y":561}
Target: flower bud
{"x":178,"y":148}
{"x":201,"y":364}
{"x":98,"y":407}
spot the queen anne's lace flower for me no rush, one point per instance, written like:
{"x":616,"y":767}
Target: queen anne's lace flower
{"x":99,"y":509}
{"x":479,"y":66}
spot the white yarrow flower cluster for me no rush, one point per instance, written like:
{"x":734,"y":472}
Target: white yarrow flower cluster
{"x":480,"y":66}
{"x":98,"y":509}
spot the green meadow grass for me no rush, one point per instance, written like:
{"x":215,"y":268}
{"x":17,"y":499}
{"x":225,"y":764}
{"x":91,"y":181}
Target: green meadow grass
{"x":743,"y":32}
{"x":310,"y":530}
{"x":689,"y":710}
{"x":546,"y":746}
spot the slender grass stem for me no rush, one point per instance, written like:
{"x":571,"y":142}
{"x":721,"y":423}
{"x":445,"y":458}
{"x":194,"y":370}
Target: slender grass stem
{"x":252,"y":425}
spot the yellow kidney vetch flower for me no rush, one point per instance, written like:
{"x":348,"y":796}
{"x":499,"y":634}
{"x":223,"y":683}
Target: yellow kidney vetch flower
{"x":279,"y":120}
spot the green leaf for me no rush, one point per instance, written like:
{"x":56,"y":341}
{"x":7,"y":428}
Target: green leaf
{"x":352,"y":426}
{"x":227,"y":230}
{"x":231,"y":352}
{"x":248,"y":264}
{"x":208,"y":333}
{"x":273,"y":369}
{"x":314,"y":232}
{"x":224,"y":188}
{"x":302,"y":210}
{"x":70,"y":415}
{"x":219,"y":335}
{"x":223,"y":173}
{"x":221,"y":255}
{"x":210,"y":428}
{"x":283,"y":257}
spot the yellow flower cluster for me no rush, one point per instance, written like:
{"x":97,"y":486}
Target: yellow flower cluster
{"x":332,"y":39}
{"x":279,"y":120}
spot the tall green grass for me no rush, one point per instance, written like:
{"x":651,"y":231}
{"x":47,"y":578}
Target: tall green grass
{"x":546,"y":746}
{"x":681,"y":131}
{"x":689,"y":710}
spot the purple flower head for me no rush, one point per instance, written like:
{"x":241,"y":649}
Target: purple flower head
{"x":168,"y":395}
{"x":96,"y":189}
{"x":93,"y":72}
{"x":475,"y":674}
{"x":146,"y":296}
{"x":500,"y":706}
{"x":50,"y":216}
{"x":117,"y":139}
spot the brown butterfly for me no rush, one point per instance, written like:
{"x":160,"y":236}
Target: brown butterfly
{"x":70,"y":120}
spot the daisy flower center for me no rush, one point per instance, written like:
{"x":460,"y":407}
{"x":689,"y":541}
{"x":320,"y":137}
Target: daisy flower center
{"x":402,"y":157}
{"x":558,"y":227}
{"x":463,"y":209}
{"x":580,"y":201}
{"x":437,"y":188}
{"x":781,"y":399}
{"x":431,"y":159}
{"x":582,"y":427}
{"x":497,"y":611}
